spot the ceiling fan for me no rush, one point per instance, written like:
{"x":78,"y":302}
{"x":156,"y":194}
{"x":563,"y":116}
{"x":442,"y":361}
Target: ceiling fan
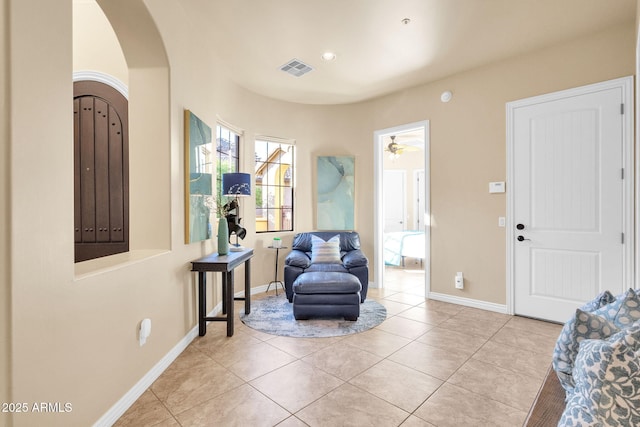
{"x":396,"y":149}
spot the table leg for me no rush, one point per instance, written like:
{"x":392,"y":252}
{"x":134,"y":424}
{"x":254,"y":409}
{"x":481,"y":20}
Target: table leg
{"x":202,"y":303}
{"x":229,"y":303}
{"x":224,"y":293}
{"x":247,"y":286}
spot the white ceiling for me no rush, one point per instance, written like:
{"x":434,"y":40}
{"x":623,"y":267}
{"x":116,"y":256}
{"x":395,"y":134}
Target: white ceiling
{"x":376,"y":53}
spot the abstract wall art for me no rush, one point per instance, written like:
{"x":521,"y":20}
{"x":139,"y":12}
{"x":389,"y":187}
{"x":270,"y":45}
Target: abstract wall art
{"x":199,"y":170}
{"x":335,"y":192}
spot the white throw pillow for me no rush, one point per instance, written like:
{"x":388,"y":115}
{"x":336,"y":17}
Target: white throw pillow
{"x":325,"y":252}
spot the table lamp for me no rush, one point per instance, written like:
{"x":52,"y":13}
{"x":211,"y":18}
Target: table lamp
{"x":235,"y":185}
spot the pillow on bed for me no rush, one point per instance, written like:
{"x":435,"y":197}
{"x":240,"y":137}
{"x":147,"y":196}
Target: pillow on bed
{"x":325,"y":252}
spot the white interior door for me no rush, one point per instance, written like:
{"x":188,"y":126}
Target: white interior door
{"x":568,"y":201}
{"x":395,"y":211}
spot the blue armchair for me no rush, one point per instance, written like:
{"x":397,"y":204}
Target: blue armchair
{"x":352,"y":258}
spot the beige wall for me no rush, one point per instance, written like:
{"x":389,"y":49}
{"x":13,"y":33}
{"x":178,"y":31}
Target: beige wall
{"x":468,"y":148}
{"x":95,"y":45}
{"x":74,"y":337}
{"x":5,"y":225}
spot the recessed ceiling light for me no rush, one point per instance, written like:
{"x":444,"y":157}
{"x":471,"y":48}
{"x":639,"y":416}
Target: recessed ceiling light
{"x":328,"y":56}
{"x":446,"y":96}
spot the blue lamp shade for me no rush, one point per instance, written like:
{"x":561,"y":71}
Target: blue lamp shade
{"x":236,"y":184}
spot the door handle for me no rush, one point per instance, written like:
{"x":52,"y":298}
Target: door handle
{"x":522,"y":239}
{"x":520,"y":226}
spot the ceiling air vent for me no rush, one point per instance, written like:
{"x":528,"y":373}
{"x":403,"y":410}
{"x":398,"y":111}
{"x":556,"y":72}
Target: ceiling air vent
{"x":297,"y":68}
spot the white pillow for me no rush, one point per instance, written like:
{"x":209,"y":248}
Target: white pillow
{"x":325,"y":252}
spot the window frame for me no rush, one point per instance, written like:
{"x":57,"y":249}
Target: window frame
{"x":220,"y":154}
{"x":289,"y":173}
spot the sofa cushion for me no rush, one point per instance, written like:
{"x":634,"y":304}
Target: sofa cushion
{"x":355,"y":258}
{"x":326,"y":283}
{"x":337,"y":268}
{"x":298,"y":259}
{"x":349,"y":240}
{"x":325,"y":252}
{"x":607,"y":382}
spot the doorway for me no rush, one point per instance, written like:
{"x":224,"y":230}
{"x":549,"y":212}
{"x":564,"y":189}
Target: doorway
{"x":570,"y":198}
{"x":402,"y":211}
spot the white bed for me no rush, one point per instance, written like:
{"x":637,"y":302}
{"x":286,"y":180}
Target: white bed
{"x":401,"y":244}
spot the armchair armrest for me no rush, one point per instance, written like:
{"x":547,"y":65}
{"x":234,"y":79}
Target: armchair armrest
{"x":355,"y":258}
{"x":297,"y":258}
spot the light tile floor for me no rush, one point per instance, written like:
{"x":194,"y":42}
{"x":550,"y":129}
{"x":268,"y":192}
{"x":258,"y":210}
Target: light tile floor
{"x":429,"y":364}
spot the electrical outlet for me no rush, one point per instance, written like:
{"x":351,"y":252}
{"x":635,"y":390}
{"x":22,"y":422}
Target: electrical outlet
{"x":144,"y":331}
{"x":459,"y":280}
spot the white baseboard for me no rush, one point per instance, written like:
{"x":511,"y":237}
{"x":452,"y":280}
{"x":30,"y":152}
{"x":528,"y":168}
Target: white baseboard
{"x":468,"y":302}
{"x":121,"y":406}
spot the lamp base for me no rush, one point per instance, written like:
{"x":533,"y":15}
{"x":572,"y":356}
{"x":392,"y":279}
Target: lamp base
{"x":236,"y":248}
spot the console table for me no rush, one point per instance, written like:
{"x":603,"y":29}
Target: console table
{"x":224,"y":264}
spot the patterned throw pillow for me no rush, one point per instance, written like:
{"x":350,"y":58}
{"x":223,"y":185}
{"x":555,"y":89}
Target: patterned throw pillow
{"x":577,"y":413}
{"x":624,"y":311}
{"x":325,"y":252}
{"x":583,"y":326}
{"x":566,"y":346}
{"x":601,"y":300}
{"x":629,"y":312}
{"x":607,"y":382}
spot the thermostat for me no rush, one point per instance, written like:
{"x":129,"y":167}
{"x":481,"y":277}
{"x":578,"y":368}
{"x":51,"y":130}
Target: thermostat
{"x":496,"y":187}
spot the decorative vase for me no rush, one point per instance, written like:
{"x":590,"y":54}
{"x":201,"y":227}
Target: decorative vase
{"x":223,"y":236}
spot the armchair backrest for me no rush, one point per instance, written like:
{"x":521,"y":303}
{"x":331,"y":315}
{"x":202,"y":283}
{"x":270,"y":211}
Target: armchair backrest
{"x":349,"y":240}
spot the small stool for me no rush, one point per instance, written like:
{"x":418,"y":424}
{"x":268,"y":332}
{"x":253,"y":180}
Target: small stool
{"x":326,"y":294}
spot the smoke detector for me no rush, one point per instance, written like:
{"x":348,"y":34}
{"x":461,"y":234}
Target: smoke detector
{"x":296,"y":68}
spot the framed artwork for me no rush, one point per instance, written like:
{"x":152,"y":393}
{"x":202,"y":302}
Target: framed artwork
{"x":335,"y":192}
{"x":199,"y":169}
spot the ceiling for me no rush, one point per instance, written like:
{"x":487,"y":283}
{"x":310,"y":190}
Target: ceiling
{"x":376,"y":53}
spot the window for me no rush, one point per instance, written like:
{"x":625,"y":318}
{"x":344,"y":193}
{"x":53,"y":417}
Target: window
{"x":228,"y":156}
{"x":274,"y":185}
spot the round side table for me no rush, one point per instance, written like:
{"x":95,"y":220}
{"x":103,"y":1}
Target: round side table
{"x":275,"y":280}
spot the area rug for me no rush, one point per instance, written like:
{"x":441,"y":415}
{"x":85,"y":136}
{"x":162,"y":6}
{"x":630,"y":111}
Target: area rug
{"x":274,"y":315}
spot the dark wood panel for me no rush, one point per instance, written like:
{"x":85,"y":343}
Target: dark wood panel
{"x":87,"y":173}
{"x":102,"y":166}
{"x":77,"y":211}
{"x":116,"y":178}
{"x":101,"y":171}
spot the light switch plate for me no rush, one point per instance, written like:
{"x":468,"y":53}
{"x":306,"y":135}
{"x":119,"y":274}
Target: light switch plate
{"x":496,"y":187}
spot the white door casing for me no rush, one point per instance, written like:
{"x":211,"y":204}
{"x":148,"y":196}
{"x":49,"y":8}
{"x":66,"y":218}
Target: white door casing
{"x":395,"y":200}
{"x":418,"y":197}
{"x":378,"y":257}
{"x":567,"y":155}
